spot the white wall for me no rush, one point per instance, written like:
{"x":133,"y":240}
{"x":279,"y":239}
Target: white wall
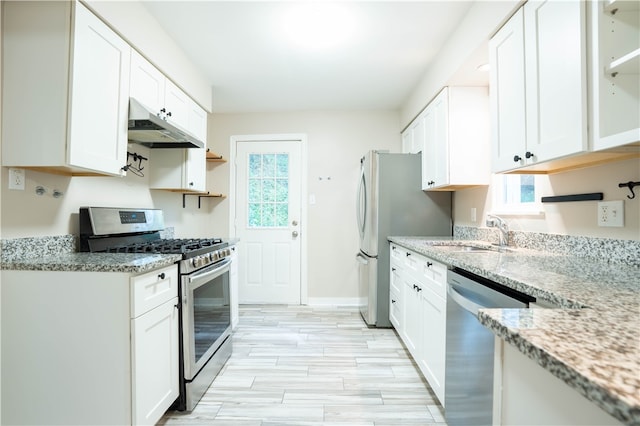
{"x":336,"y":142}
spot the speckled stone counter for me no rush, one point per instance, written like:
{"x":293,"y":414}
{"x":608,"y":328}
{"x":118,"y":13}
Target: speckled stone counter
{"x":93,"y":262}
{"x":58,"y":254}
{"x":592,"y":342}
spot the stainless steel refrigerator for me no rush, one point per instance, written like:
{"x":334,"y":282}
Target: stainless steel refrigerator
{"x":390,"y":202}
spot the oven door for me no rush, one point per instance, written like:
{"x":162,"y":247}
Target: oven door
{"x":206,"y":315}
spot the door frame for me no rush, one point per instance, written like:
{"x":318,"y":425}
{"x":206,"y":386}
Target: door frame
{"x":295,"y":137}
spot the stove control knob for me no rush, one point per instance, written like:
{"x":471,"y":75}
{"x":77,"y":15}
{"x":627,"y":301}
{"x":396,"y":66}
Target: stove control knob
{"x":215,"y":255}
{"x":194,"y":262}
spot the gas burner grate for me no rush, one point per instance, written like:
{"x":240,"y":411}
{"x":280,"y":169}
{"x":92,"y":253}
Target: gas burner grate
{"x":167,"y":246}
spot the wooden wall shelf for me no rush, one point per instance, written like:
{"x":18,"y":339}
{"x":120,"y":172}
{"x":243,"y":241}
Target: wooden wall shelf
{"x":213,"y":157}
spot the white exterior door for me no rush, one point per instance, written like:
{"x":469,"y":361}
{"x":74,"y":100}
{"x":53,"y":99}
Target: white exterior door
{"x":268,"y":216}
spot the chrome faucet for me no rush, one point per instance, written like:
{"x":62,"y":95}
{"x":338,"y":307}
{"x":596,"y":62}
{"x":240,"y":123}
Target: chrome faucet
{"x":494,"y":221}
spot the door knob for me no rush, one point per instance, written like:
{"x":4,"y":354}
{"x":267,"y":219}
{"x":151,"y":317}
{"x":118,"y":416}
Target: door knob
{"x":294,"y":233}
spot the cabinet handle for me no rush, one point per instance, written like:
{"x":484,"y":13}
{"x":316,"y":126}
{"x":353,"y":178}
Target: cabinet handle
{"x":528,"y":154}
{"x":393,"y":301}
{"x":190,"y":183}
{"x":177,"y":306}
{"x":393,"y":269}
{"x":516,"y":158}
{"x":408,"y":254}
{"x":418,"y":289}
{"x":430,"y":183}
{"x":163,"y":110}
{"x":162,"y":276}
{"x":429,"y":264}
{"x":169,"y":114}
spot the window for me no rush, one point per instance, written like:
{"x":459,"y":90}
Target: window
{"x":268,"y":190}
{"x":516,"y":194}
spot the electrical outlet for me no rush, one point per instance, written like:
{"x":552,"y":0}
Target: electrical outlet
{"x":611,"y":213}
{"x":16,"y":179}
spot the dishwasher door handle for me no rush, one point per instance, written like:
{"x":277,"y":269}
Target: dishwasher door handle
{"x":464,"y":303}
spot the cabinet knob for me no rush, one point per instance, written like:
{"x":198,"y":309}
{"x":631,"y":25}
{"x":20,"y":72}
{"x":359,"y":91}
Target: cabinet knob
{"x":190,"y":183}
{"x":408,"y":254}
{"x":169,"y":114}
{"x":430,"y":183}
{"x":163,"y":110}
{"x":162,"y":276}
{"x":516,"y":158}
{"x":528,"y":154}
{"x":429,"y":264}
{"x":393,"y":301}
{"x":393,"y":269}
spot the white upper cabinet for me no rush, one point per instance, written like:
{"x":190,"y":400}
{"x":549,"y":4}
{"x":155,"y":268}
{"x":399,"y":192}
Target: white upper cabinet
{"x":615,"y":32}
{"x":178,"y":169}
{"x":456,"y":145}
{"x":73,"y":84}
{"x":413,"y":136}
{"x":508,"y":131}
{"x":151,"y":88}
{"x":538,"y":85}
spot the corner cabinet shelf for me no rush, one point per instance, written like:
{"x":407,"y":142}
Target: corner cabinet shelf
{"x":615,"y":62}
{"x":212,"y":157}
{"x":200,"y":195}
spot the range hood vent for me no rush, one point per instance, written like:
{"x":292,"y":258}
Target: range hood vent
{"x":148,"y":129}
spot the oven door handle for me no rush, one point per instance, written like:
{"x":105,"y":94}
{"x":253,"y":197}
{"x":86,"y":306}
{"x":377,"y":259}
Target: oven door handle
{"x":203,"y":276}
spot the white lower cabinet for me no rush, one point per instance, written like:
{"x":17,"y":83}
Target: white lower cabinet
{"x":418,"y":311}
{"x":527,"y":394}
{"x":89,"y":347}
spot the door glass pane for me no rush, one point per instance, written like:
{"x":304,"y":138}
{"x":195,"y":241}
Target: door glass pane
{"x":268,"y":191}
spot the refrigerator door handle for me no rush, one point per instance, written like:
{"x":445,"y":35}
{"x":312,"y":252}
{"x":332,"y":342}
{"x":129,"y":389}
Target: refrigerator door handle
{"x":360,"y":258}
{"x":361,"y":204}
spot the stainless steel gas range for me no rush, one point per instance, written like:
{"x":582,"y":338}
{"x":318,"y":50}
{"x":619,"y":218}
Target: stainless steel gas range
{"x":205,"y":311}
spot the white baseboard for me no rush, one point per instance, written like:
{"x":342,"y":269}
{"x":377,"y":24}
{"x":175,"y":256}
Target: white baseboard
{"x":335,"y":301}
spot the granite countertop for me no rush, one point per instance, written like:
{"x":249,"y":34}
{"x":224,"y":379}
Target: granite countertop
{"x":92,"y":262}
{"x":591,"y":342}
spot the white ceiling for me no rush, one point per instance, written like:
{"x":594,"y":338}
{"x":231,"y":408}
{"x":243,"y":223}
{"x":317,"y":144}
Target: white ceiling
{"x":246,"y":51}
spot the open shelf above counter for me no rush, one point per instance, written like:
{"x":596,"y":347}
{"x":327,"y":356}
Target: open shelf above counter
{"x":213,"y":157}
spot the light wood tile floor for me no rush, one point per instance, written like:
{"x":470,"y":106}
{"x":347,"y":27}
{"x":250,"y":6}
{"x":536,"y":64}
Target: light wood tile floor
{"x":300,"y":365}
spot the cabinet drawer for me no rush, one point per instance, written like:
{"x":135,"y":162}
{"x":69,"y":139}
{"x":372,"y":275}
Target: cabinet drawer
{"x":397,"y":254}
{"x":436,"y":277}
{"x":152,"y":289}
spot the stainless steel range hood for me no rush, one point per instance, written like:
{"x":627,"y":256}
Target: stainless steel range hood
{"x":147,"y":128}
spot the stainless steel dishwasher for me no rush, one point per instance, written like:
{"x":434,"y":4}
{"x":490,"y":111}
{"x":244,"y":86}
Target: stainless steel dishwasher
{"x":470,"y":346}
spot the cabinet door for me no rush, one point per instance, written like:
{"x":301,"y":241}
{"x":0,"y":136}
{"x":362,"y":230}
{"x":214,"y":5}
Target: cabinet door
{"x":507,"y":94}
{"x":555,"y":66}
{"x":396,"y":287}
{"x":197,"y":121}
{"x":429,"y":154}
{"x":154,"y":362}
{"x":176,"y":103}
{"x":146,"y":83}
{"x":412,"y":335}
{"x":407,"y":141}
{"x":195,"y":168}
{"x":99,"y":96}
{"x":432,"y":358}
{"x":441,"y":138}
